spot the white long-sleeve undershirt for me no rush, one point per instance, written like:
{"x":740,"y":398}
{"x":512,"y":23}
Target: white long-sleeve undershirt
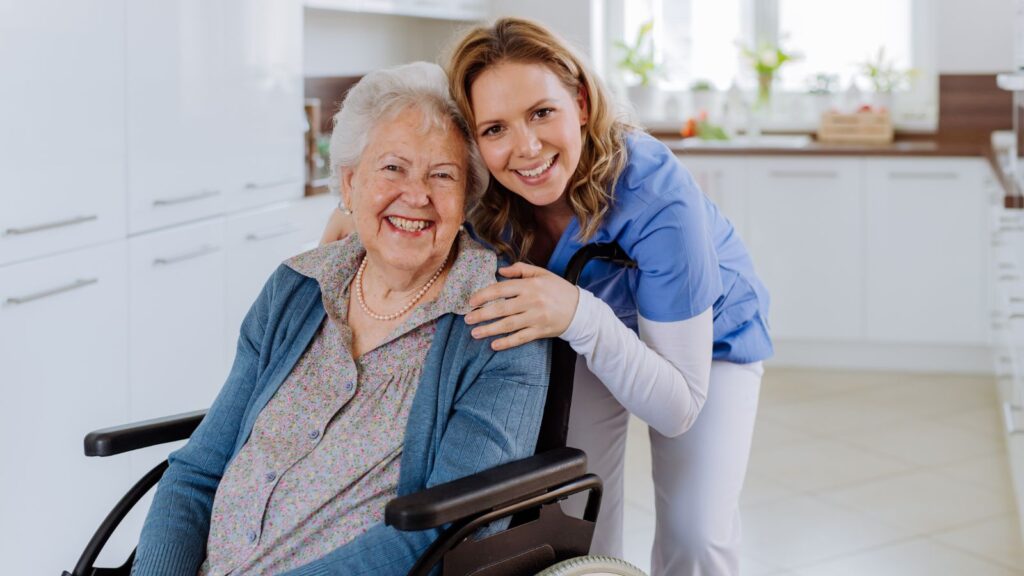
{"x":661,"y":376}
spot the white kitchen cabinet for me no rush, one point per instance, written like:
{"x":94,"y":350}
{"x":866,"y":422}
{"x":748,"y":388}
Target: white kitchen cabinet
{"x":63,"y":344}
{"x":440,"y":9}
{"x":263,"y":70}
{"x":724,"y":181}
{"x":176,"y":312}
{"x":258,"y":241}
{"x":927,"y":246}
{"x":806,"y":235}
{"x":178,"y":120}
{"x":62,"y":139}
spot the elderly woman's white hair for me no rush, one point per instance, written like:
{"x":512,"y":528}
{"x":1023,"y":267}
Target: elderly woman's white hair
{"x":384,"y":93}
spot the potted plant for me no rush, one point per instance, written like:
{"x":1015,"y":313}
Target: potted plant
{"x":821,"y":87}
{"x":766,"y":61}
{"x":885,"y":78}
{"x":638,"y":61}
{"x":703,"y":94}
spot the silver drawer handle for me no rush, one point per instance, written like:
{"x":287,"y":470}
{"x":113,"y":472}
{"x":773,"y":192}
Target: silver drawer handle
{"x":922,"y":175}
{"x":15,"y":300}
{"x":183,"y":199}
{"x":206,"y":249}
{"x":1009,"y":422}
{"x":803,"y":174}
{"x":272,"y":184}
{"x":50,"y":225}
{"x":257,"y":237}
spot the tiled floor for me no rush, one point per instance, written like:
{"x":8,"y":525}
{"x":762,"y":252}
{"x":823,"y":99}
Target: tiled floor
{"x":864,"y":474}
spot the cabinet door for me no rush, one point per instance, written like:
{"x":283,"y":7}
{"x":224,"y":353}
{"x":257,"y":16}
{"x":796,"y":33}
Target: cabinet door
{"x":63,"y":344}
{"x":806,"y":235}
{"x":177,"y":319}
{"x":257,"y":242}
{"x":927,"y":245}
{"x":724,"y":181}
{"x":177,"y":112}
{"x":264,"y":71}
{"x":62,"y":137}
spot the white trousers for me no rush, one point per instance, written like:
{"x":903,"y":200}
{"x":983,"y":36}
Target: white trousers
{"x":698,"y":476}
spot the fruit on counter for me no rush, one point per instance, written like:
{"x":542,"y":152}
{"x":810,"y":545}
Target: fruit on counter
{"x":702,"y":128}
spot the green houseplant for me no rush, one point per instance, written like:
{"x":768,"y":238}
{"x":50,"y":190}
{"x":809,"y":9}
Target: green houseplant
{"x":638,"y":58}
{"x":766,"y":61}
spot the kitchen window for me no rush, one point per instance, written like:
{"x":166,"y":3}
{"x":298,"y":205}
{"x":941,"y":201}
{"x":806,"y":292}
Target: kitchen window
{"x":698,"y":42}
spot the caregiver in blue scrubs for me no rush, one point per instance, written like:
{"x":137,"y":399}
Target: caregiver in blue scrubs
{"x":677,"y":341}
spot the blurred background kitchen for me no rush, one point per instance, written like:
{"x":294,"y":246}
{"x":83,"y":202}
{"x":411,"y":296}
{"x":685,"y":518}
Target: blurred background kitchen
{"x":159,"y":158}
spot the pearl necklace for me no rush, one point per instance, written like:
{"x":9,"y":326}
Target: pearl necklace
{"x":410,"y":304}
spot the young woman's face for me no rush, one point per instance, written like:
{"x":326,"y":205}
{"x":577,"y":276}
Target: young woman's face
{"x":528,"y":129}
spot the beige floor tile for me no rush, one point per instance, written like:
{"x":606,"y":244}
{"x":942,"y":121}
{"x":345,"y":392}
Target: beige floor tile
{"x":803,"y":530}
{"x":760,"y":490}
{"x":924,"y":442}
{"x":637,"y":536}
{"x":772,"y":434}
{"x":822,"y":464}
{"x":988,"y":421}
{"x":992,"y":472}
{"x":751,"y":567}
{"x":997,"y":540}
{"x":782,"y":386}
{"x":833,"y":415}
{"x":637,"y":481}
{"x":936,"y":395}
{"x":922,"y":502}
{"x":919,"y":557}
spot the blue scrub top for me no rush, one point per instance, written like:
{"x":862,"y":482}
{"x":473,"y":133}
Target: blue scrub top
{"x":689,"y":258}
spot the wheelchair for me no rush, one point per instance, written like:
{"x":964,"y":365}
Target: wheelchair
{"x":540,"y":539}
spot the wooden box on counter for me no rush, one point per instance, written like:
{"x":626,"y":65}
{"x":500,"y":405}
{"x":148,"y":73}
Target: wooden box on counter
{"x":864,"y":127}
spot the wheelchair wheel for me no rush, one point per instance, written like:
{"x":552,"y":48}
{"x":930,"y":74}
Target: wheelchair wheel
{"x":593,"y":566}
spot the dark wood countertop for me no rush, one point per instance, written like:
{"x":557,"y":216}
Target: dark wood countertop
{"x":908,"y":145}
{"x":905,"y":145}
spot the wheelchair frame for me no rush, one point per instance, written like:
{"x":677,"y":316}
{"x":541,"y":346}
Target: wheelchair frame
{"x":528,"y":490}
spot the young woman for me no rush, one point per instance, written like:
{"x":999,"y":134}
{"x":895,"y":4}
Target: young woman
{"x":681,"y":335}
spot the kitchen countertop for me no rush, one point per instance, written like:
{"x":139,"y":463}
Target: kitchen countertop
{"x":904,"y":145}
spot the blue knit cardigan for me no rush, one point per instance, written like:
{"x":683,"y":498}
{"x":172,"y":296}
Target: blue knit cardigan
{"x":473,"y":409}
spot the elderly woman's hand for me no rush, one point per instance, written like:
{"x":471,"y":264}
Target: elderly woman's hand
{"x":339,"y":226}
{"x":536,"y":304}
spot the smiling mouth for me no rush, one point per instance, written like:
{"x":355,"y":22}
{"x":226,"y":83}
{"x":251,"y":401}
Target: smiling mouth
{"x":539,"y":170}
{"x":408,"y":225}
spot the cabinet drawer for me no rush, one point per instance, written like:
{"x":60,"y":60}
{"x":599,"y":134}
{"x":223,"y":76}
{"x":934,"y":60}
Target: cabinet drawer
{"x":806,"y":236}
{"x":176,"y":308}
{"x":927,"y":251}
{"x":63,"y":345}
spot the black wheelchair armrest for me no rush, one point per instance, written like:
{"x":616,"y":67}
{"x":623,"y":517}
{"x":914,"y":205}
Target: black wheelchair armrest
{"x":485,"y":490}
{"x":128,"y":437}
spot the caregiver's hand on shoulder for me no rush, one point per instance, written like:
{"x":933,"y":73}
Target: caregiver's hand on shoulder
{"x":535,"y":304}
{"x":338,"y":227}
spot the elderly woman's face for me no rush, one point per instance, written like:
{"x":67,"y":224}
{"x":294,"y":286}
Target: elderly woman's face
{"x":408,"y":192}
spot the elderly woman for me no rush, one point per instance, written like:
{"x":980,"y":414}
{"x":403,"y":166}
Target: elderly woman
{"x":356,"y":378}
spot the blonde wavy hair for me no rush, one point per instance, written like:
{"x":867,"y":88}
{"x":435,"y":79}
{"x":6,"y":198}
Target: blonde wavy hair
{"x":501,"y":217}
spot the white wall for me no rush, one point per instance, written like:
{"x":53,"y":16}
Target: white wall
{"x":974,"y":36}
{"x":571,"y":19}
{"x":352,"y":43}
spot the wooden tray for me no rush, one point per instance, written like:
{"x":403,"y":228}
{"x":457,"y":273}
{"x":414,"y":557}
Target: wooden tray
{"x":868,"y":127}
